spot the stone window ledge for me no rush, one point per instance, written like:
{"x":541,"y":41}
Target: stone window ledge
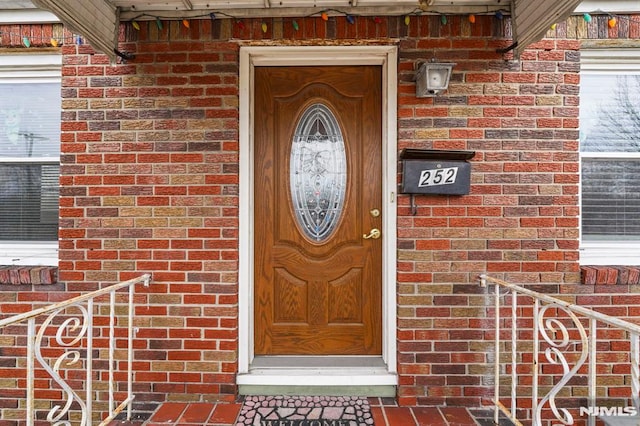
{"x":610,"y":275}
{"x":28,"y":275}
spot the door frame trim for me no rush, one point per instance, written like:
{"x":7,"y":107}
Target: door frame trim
{"x":252,"y":56}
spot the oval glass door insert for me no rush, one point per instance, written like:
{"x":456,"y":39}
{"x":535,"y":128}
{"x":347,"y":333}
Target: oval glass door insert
{"x":318,"y":166}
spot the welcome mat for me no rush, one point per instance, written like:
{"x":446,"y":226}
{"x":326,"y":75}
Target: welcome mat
{"x":305,"y":411}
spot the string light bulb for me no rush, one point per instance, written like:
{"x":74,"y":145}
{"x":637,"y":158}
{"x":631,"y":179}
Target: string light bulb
{"x":54,"y":42}
{"x":612,"y":22}
{"x":264,"y":27}
{"x":26,"y":41}
{"x":587,"y":18}
{"x":377,"y":20}
{"x":159,"y":24}
{"x":472,"y":19}
{"x":443,"y":19}
{"x":135,"y":25}
{"x":324,"y":16}
{"x":553,"y":26}
{"x":186,"y":23}
{"x":295,"y":25}
{"x":350,"y":19}
{"x":499,"y":15}
{"x":407,"y":20}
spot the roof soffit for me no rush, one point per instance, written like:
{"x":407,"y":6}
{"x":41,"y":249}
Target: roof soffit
{"x":96,"y":20}
{"x":532,"y":19}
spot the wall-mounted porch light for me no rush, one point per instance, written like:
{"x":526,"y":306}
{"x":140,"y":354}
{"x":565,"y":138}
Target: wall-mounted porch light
{"x":432,"y":78}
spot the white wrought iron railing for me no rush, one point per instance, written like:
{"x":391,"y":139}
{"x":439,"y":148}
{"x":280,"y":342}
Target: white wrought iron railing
{"x":550,"y":352}
{"x":61,"y":341}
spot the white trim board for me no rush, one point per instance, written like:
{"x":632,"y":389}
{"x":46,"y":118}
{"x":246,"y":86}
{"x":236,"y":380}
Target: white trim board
{"x":30,"y":68}
{"x":608,"y":253}
{"x":27,"y":16}
{"x":610,"y":60}
{"x":36,"y":253}
{"x":613,"y":6}
{"x":250,"y":57}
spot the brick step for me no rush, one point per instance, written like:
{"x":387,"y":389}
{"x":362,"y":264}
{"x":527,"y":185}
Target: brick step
{"x":384,"y":410}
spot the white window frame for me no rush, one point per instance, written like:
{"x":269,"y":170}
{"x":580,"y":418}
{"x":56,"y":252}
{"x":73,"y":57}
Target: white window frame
{"x":36,"y":68}
{"x":609,"y":61}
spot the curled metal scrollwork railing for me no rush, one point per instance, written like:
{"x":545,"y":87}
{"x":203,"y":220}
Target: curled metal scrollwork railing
{"x":549,"y":329}
{"x":69,"y":336}
{"x":564,"y":339}
{"x":64,"y":341}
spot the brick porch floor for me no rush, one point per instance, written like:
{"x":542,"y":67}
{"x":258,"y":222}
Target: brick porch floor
{"x":384,"y":410}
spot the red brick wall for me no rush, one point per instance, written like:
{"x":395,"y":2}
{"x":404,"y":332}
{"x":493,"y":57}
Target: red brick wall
{"x":520,"y":220}
{"x":37,"y":35}
{"x":150,"y":184}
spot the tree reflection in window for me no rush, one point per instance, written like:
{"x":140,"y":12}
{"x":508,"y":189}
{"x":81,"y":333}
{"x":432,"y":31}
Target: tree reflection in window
{"x":29,"y":158}
{"x":318,"y":172}
{"x":610,"y":147}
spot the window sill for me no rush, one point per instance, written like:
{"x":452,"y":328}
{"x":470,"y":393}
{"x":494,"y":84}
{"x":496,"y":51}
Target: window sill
{"x":606,"y":253}
{"x":28,"y":275}
{"x":40,"y":253}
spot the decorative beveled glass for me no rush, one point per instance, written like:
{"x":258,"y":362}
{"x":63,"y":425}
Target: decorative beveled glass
{"x":318,"y":166}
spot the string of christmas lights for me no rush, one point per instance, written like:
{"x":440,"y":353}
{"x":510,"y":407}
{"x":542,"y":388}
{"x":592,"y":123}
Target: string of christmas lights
{"x":324,"y":14}
{"x":28,"y":41}
{"x":612,"y":21}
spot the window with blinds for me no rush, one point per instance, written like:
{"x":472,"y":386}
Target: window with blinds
{"x":30,"y":109}
{"x":610,"y":156}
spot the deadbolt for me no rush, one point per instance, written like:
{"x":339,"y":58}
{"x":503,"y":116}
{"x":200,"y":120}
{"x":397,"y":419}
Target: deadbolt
{"x":374,"y":212}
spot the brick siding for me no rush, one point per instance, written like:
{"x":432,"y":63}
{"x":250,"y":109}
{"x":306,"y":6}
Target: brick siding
{"x":518,"y":223}
{"x":28,"y":275}
{"x":610,"y":275}
{"x":149,"y":183}
{"x":171,"y":143}
{"x":39,"y":35}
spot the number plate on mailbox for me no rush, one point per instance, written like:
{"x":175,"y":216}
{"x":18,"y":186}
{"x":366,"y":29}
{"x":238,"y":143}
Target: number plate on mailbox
{"x":436,"y":177}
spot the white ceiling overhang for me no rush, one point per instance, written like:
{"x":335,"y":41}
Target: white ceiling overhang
{"x":532,"y":19}
{"x":98,"y":20}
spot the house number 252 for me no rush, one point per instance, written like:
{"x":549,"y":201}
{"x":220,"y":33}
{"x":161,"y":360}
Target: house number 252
{"x":433,"y":177}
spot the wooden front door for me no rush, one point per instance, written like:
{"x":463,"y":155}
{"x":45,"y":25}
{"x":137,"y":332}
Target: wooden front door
{"x":318,"y":280}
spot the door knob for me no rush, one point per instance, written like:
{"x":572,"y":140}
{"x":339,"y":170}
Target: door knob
{"x":374,"y":233}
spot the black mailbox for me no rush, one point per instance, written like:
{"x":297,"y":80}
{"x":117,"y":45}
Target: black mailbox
{"x":428,"y":171}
